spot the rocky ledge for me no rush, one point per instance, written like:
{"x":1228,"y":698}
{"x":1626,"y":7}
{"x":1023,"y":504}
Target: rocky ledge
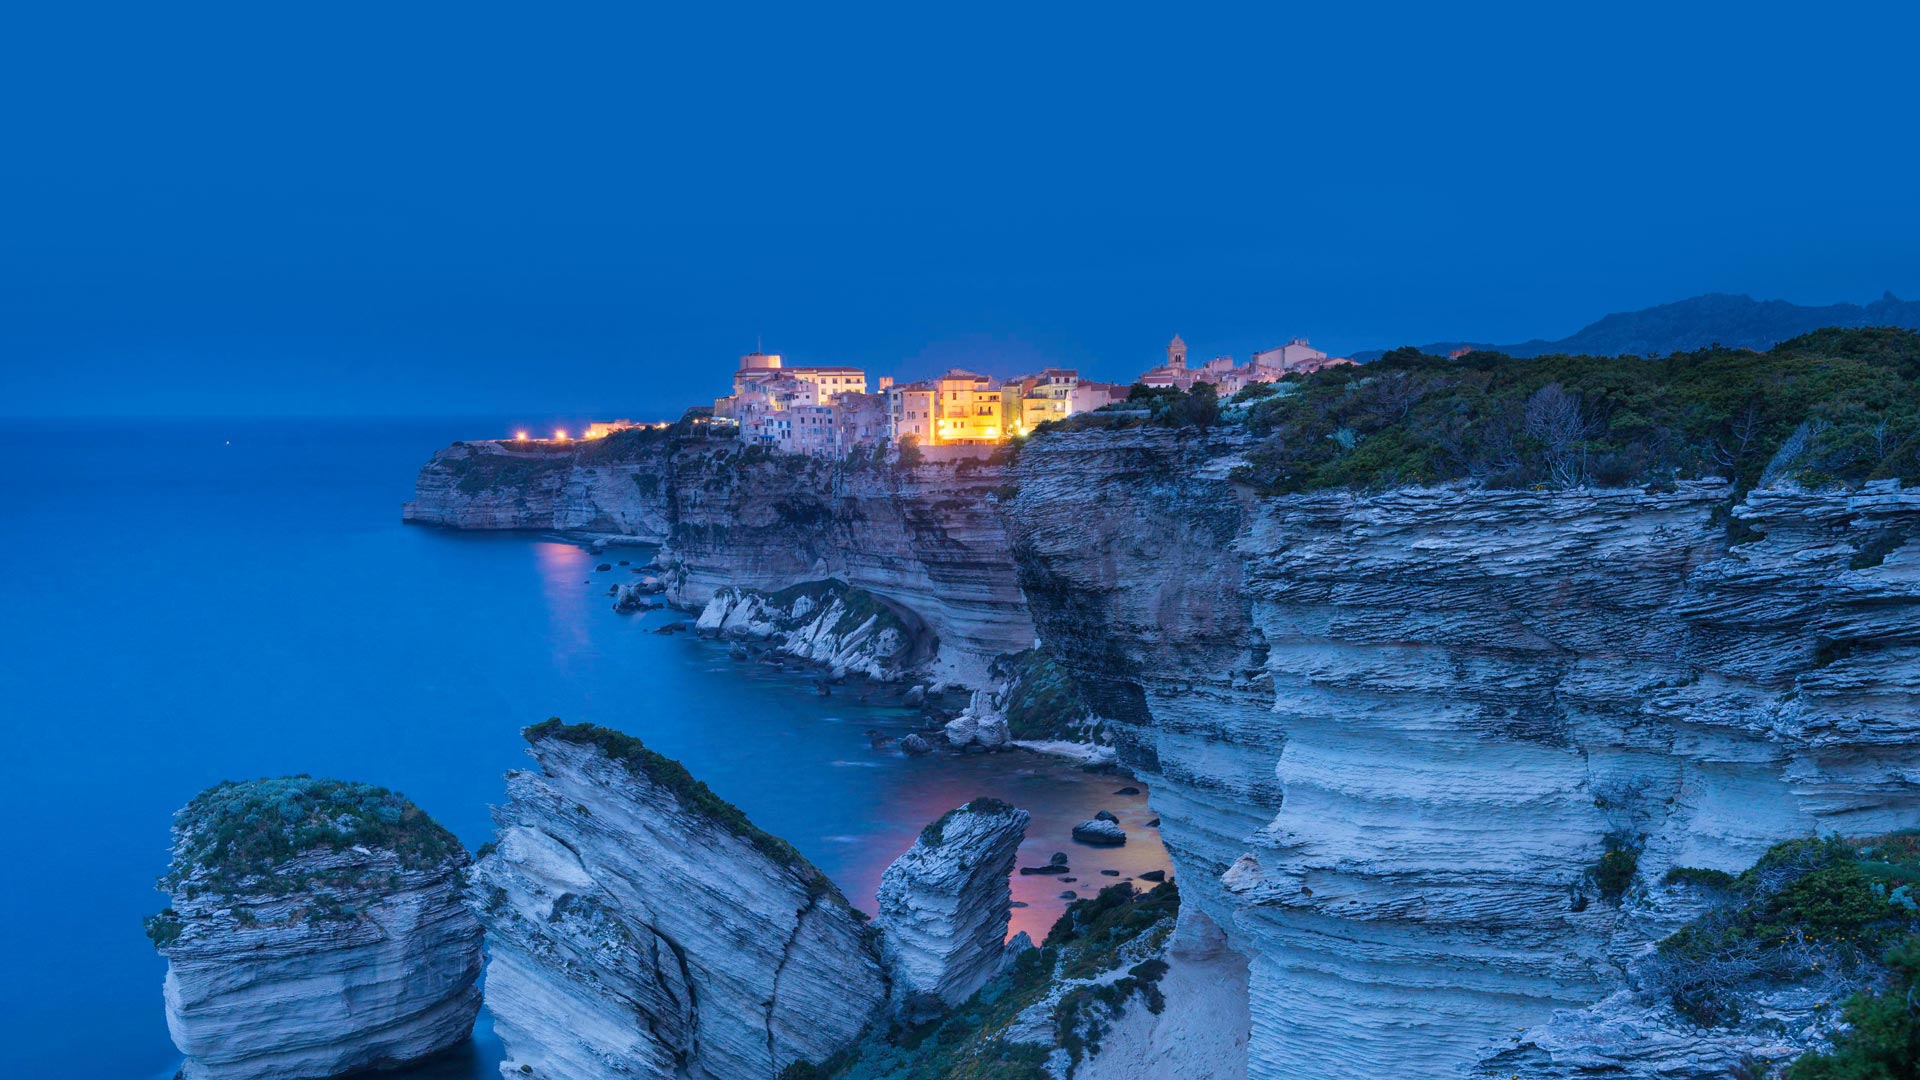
{"x":826,"y":623}
{"x":928,"y":539}
{"x":638,"y":924}
{"x":613,"y":485}
{"x":315,"y":928}
{"x":1428,"y":757}
{"x":944,"y":904}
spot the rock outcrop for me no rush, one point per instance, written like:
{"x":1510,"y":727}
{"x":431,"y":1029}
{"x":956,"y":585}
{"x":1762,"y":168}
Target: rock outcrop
{"x":640,"y":925}
{"x":826,"y":623}
{"x":618,"y":484}
{"x":929,"y":540}
{"x":944,"y":904}
{"x":316,"y":928}
{"x":1404,"y":744}
{"x":1101,"y":832}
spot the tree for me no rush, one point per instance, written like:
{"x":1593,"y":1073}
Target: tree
{"x":1199,"y":408}
{"x":1557,"y":421}
{"x":910,"y":456}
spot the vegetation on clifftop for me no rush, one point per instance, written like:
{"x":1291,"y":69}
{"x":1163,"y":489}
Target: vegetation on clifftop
{"x":935,"y":833}
{"x":239,"y":834}
{"x":1835,"y":406}
{"x":1830,"y":407}
{"x":665,"y":772}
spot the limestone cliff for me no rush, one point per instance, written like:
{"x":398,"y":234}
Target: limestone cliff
{"x":316,"y":928}
{"x":1426,"y":756}
{"x":826,"y":623}
{"x":929,"y":540}
{"x":613,"y":485}
{"x":639,"y":925}
{"x":944,"y":903}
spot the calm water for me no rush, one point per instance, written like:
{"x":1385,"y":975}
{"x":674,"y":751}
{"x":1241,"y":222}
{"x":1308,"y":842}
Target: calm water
{"x":186,"y":603}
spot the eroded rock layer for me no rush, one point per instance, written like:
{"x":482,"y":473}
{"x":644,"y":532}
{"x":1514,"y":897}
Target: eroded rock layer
{"x":638,"y":925}
{"x":826,"y":623}
{"x":618,"y":484}
{"x":1404,"y":745}
{"x":316,"y":928}
{"x":944,"y":903}
{"x":929,"y":540}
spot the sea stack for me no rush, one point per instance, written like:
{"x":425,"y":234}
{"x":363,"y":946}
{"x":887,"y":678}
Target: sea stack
{"x":640,"y":925}
{"x":316,"y":928}
{"x":944,"y":904}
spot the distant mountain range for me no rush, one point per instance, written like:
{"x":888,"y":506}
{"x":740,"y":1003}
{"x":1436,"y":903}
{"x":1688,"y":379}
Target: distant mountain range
{"x":1713,"y":319}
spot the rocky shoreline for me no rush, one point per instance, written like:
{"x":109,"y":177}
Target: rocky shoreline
{"x":1406,"y":732}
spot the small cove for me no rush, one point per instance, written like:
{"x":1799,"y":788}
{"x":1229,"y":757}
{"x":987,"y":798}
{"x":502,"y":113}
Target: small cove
{"x":216,"y":600}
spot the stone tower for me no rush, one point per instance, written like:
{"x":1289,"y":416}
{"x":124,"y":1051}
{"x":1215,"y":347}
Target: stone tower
{"x":1177,"y":354}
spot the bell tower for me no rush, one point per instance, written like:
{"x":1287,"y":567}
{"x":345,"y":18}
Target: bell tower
{"x":1177,"y":354}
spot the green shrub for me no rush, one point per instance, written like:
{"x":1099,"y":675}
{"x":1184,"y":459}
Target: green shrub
{"x":240,"y":833}
{"x":1882,"y":1037}
{"x":1805,"y":905}
{"x":1839,"y":406}
{"x":1619,"y":861}
{"x":163,"y":929}
{"x":1042,"y":700}
{"x":1699,"y":876}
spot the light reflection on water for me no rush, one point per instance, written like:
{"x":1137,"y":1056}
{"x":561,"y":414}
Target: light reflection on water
{"x":255,"y":608}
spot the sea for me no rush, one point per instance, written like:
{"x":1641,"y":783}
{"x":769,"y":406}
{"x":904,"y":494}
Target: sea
{"x":189,"y":601}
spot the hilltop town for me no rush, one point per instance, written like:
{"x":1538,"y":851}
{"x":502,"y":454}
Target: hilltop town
{"x":830,"y":411}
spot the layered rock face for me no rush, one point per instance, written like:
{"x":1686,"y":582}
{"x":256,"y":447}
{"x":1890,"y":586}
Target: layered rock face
{"x":1393,"y":737}
{"x":618,"y":484}
{"x":944,"y":904}
{"x":639,"y":925}
{"x":316,"y":929}
{"x":929,"y":540}
{"x":826,"y":623}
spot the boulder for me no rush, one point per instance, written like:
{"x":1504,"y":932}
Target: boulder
{"x":916,"y":745}
{"x":1100,"y":832}
{"x":962,"y":729}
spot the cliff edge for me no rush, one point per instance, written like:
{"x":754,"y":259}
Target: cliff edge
{"x":315,"y":928}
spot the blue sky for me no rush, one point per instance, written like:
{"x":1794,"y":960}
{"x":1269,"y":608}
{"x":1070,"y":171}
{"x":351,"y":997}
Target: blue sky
{"x":487,"y":209}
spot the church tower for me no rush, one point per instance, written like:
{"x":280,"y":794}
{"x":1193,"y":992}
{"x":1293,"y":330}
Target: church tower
{"x":1177,"y":354}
